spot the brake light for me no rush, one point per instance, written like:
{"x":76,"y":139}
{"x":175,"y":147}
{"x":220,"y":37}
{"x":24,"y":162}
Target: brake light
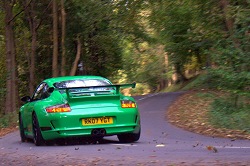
{"x":128,"y":104}
{"x":59,"y":108}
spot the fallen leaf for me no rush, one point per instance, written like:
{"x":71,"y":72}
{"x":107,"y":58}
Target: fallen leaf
{"x":212,"y":148}
{"x":197,"y":143}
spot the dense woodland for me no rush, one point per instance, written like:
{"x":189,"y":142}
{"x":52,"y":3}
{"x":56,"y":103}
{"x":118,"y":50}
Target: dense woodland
{"x":156,"y":43}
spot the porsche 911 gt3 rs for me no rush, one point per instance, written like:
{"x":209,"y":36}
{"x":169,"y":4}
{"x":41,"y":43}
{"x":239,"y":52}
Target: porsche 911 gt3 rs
{"x":77,"y":106}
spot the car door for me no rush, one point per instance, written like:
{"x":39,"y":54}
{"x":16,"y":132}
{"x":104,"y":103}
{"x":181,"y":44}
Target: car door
{"x":28,"y":109}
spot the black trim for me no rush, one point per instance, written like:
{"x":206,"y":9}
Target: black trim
{"x":46,"y":128}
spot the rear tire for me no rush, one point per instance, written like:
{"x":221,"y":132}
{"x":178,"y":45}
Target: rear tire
{"x":21,"y":129}
{"x":37,"y":135}
{"x":130,"y":137}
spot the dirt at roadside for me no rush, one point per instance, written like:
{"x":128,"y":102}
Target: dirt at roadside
{"x":190,"y":112}
{"x":7,"y":130}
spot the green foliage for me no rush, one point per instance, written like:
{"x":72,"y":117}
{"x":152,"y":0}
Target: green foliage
{"x":93,"y":22}
{"x":8,"y":120}
{"x":198,"y":82}
{"x":2,"y":93}
{"x":229,"y":80}
{"x":226,"y":114}
{"x":144,"y":64}
{"x":231,"y":55}
{"x":185,"y":31}
{"x":173,"y":88}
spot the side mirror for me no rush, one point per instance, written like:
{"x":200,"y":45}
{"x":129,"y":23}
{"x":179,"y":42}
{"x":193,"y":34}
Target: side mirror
{"x":51,"y":89}
{"x":26,"y":99}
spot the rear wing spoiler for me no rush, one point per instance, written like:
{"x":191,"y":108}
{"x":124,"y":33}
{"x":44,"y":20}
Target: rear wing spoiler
{"x":117,"y":88}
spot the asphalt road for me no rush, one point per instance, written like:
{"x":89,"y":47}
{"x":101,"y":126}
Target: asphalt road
{"x":161,"y":144}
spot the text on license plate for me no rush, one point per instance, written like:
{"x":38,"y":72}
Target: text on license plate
{"x":96,"y":121}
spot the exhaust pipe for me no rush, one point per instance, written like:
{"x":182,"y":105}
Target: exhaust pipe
{"x":95,"y":132}
{"x":98,"y":132}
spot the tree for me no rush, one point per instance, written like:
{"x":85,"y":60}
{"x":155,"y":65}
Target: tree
{"x":231,"y":52}
{"x":93,"y":22}
{"x":174,"y":25}
{"x":78,"y":54}
{"x":11,"y":88}
{"x":63,"y":24}
{"x":2,"y":61}
{"x":33,"y":24}
{"x":55,"y":39}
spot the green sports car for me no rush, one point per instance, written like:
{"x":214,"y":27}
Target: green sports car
{"x":79,"y":106}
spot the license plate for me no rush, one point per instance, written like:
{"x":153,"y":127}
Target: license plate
{"x":97,"y":121}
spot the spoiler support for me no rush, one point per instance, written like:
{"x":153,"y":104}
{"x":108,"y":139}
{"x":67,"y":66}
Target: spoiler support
{"x":117,"y":87}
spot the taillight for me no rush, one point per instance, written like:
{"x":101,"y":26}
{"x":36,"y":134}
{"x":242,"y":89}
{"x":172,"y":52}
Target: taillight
{"x":59,"y":108}
{"x":128,"y":104}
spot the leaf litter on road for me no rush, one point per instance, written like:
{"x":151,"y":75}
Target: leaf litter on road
{"x":212,"y":148}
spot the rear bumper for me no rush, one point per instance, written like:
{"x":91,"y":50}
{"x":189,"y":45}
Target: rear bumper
{"x":87,"y":132}
{"x":70,"y":124}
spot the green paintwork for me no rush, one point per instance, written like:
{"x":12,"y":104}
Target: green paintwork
{"x":90,"y":103}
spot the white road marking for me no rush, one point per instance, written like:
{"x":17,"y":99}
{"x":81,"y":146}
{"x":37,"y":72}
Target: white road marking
{"x":124,"y":145}
{"x":151,"y":95}
{"x":160,"y":145}
{"x":232,"y":147}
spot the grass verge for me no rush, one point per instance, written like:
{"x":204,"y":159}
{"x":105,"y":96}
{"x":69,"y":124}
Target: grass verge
{"x":8,"y":123}
{"x":209,"y":111}
{"x":191,"y":111}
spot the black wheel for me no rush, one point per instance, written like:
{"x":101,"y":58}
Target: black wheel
{"x":130,"y":137}
{"x":21,"y":129}
{"x":37,"y":135}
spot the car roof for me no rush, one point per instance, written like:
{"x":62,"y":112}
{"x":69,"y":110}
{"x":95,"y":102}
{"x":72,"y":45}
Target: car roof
{"x":51,"y":81}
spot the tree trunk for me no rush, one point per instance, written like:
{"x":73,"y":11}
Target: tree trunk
{"x":167,"y":68}
{"x":63,"y":15}
{"x":11,"y":92}
{"x":78,"y":54}
{"x":229,"y":21}
{"x":55,"y":40}
{"x":33,"y":23}
{"x":32,"y":61}
{"x":180,"y":75}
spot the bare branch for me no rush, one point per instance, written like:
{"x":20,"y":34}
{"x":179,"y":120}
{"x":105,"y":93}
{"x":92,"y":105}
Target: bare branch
{"x":43,"y":14}
{"x":20,"y":12}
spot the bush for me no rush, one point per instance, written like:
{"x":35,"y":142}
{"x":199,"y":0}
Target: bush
{"x":8,"y":120}
{"x":226,"y":113}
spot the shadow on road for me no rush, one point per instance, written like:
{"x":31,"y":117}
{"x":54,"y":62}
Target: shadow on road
{"x":77,"y":141}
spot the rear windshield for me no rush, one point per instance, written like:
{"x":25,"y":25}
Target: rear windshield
{"x":80,"y":83}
